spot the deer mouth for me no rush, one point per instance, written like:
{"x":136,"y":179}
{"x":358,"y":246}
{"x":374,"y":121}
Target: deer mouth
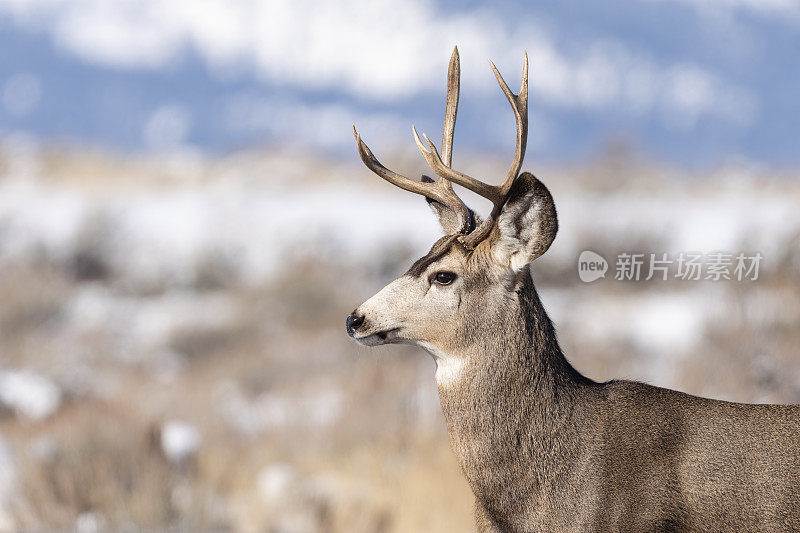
{"x":376,"y":339}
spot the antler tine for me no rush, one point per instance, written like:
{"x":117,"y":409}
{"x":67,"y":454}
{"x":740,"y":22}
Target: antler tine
{"x":435,"y":162}
{"x":451,"y":106}
{"x":519,"y":103}
{"x":392,"y":177}
{"x":439,"y":191}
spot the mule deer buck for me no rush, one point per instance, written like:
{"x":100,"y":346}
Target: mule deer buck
{"x":544,"y":448}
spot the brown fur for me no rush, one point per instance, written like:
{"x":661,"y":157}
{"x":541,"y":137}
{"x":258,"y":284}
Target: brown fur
{"x":546,"y":449}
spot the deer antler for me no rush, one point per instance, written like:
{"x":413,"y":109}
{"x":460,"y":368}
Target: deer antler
{"x":495,"y":193}
{"x":440,"y":190}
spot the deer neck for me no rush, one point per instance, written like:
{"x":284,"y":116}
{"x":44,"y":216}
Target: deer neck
{"x":509,"y":402}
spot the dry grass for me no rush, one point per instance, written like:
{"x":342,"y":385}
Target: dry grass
{"x":375,"y":468}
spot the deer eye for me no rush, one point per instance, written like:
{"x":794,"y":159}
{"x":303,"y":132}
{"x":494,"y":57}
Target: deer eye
{"x":443,"y":278}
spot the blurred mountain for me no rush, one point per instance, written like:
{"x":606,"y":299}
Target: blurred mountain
{"x":696,"y":82}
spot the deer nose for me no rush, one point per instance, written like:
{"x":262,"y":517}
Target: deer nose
{"x":353,"y":322}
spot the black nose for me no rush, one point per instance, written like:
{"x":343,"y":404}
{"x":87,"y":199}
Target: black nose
{"x":352,"y":323}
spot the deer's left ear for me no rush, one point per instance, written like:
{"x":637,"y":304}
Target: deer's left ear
{"x":527,"y":224}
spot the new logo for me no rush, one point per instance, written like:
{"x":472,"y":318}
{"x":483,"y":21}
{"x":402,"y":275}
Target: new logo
{"x":591,"y":266}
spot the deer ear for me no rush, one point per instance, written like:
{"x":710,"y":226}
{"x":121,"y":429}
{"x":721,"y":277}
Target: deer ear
{"x":527,"y":224}
{"x":448,"y":219}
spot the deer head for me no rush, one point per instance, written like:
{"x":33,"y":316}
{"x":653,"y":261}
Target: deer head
{"x":466,"y":288}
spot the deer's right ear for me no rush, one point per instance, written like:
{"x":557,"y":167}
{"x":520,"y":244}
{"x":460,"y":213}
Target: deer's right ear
{"x":527,"y":223}
{"x":449,"y":219}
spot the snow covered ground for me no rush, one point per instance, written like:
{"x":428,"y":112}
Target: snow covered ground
{"x":198,"y":303}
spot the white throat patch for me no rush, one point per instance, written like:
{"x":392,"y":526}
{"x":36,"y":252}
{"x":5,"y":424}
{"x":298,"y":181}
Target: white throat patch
{"x":448,"y":367}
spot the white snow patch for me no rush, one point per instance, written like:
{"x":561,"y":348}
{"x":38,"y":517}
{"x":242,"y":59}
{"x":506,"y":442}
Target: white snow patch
{"x":668,"y":322}
{"x":274,"y":481}
{"x":29,"y":395}
{"x":318,"y":407}
{"x":180,"y":440}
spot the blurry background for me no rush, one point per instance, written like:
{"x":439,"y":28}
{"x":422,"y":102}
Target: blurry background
{"x":184,"y":225}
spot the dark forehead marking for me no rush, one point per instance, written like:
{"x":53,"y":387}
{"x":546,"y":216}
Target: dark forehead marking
{"x":439,"y":249}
